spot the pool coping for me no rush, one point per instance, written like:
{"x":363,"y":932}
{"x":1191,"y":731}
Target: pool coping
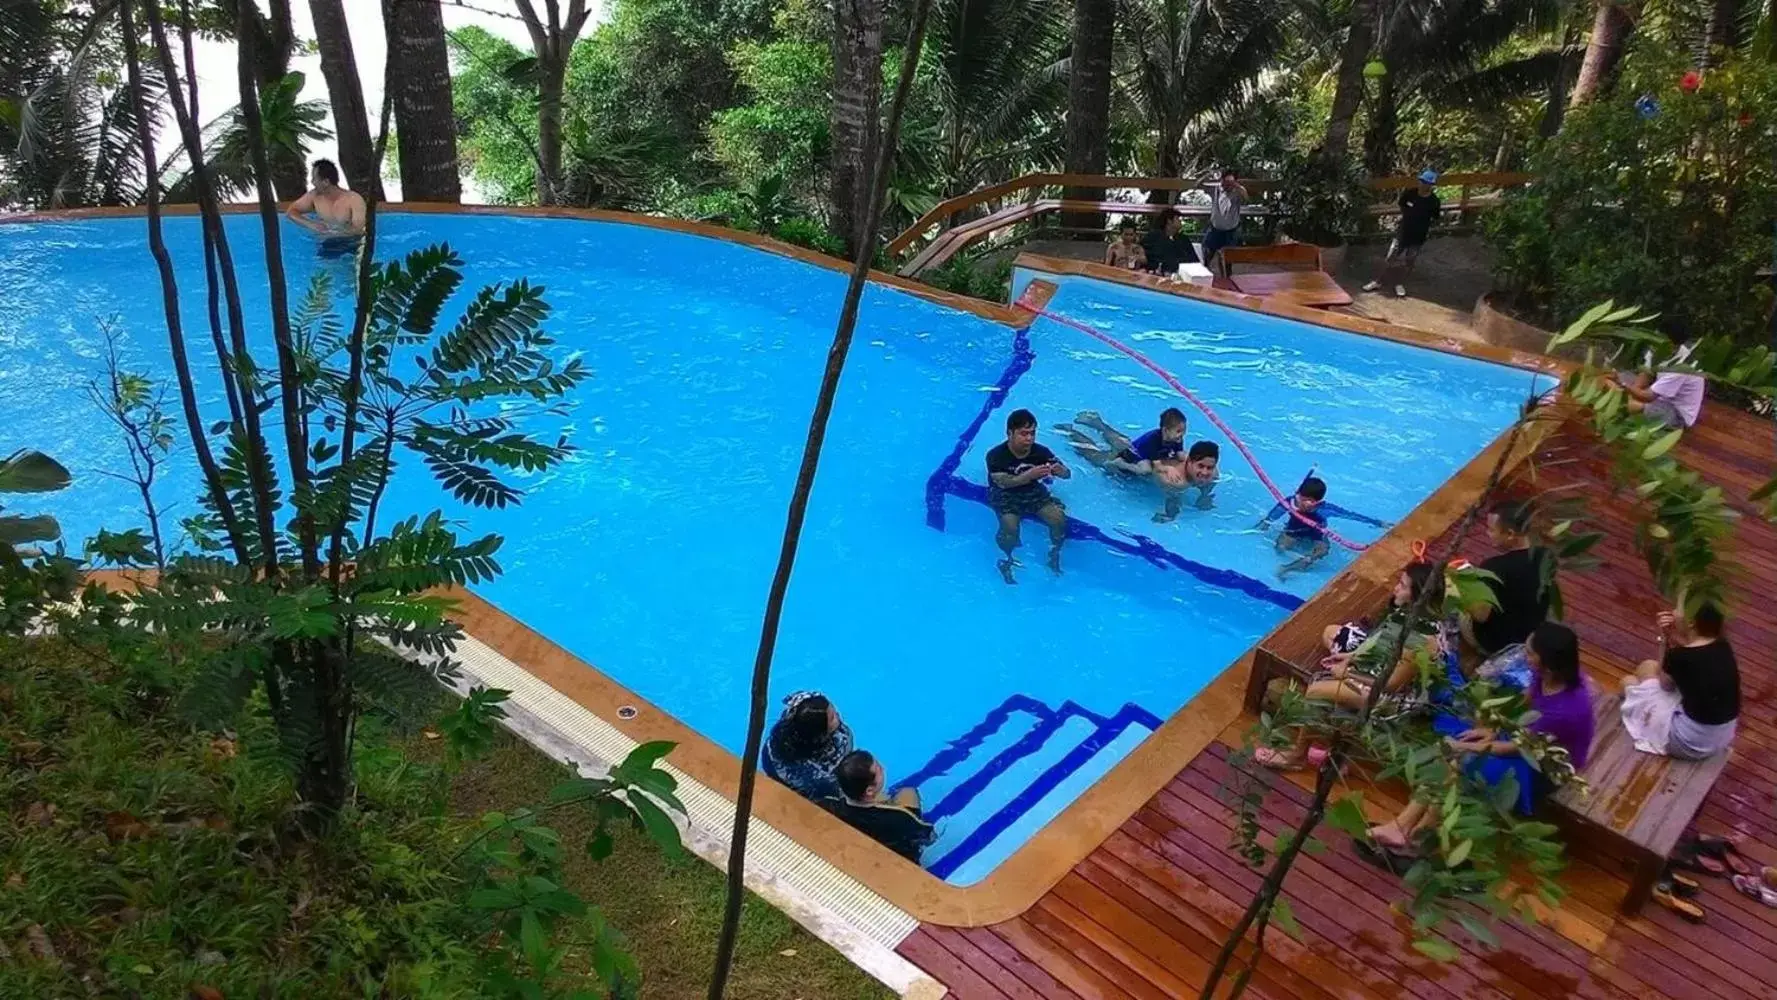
{"x":1037,"y":865}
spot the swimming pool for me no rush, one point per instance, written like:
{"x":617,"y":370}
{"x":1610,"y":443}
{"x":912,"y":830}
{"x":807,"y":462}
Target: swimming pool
{"x":648,"y":554}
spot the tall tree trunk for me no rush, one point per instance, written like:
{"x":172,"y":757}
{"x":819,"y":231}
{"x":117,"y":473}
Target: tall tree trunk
{"x":1089,"y":102}
{"x":1348,"y":90}
{"x":552,"y":41}
{"x":350,"y":121}
{"x":1610,"y":28}
{"x":273,"y":40}
{"x":857,"y":112}
{"x":1721,"y":31}
{"x":425,"y":122}
{"x":550,"y":82}
{"x":1168,"y":161}
{"x":1381,"y":139}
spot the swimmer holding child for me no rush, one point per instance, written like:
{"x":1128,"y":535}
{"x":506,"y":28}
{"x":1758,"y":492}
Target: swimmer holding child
{"x":1158,"y":454}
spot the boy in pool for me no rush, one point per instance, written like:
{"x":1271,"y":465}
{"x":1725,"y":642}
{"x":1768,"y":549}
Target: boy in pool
{"x":1196,"y":472}
{"x":1143,"y":456}
{"x":1016,"y":468}
{"x":1306,"y":533}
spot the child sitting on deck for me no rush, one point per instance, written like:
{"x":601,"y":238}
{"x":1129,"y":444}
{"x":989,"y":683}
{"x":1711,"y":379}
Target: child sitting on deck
{"x":1346,"y":678}
{"x":1305,"y":526}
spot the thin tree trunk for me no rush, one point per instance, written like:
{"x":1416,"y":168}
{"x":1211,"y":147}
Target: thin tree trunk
{"x":194,"y":425}
{"x":242,"y":367}
{"x":857,"y":111}
{"x":1089,"y":103}
{"x":1381,"y":139}
{"x":426,"y":123}
{"x":1610,"y":28}
{"x":1721,"y":31}
{"x":273,"y":39}
{"x":759,"y":696}
{"x":1502,"y":156}
{"x":1348,"y":90}
{"x":1168,"y":162}
{"x":350,"y":122}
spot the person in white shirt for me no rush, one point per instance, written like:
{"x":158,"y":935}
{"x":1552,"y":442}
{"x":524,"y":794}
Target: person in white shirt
{"x":1226,"y":196}
{"x":1673,"y":398}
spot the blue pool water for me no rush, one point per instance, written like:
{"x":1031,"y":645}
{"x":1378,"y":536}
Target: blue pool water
{"x":649,"y":553}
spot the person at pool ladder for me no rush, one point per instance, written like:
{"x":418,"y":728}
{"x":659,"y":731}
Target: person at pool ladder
{"x":1016,"y":469}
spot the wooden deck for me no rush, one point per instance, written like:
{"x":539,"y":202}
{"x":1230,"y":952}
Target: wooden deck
{"x":1144,"y":915}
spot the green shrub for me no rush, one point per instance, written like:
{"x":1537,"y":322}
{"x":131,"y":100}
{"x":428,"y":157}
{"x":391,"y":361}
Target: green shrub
{"x":806,"y":232}
{"x":1670,"y":209}
{"x":990,"y":280}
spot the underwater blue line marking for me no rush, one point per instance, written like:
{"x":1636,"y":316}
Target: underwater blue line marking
{"x":1152,"y":551}
{"x":1022,"y":357}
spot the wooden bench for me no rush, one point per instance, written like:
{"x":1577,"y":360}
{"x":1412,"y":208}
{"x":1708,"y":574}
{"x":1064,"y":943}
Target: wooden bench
{"x":1638,"y":805}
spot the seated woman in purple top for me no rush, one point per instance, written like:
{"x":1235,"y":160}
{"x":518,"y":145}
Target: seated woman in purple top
{"x":1558,"y":692}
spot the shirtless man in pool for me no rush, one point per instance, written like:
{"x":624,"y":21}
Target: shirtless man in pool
{"x":338,"y":213}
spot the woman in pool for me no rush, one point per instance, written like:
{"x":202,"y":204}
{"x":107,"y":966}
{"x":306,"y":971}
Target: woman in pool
{"x":1346,"y":678}
{"x":806,"y":744}
{"x":1558,"y":692}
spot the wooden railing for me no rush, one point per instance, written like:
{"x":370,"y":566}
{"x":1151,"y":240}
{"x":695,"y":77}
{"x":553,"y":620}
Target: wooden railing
{"x":1030,"y":190}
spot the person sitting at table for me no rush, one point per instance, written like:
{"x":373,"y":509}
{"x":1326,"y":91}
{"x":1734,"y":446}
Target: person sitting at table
{"x":1166,"y":247}
{"x":1345,"y":679}
{"x":1125,"y":251}
{"x":894,"y":822}
{"x":806,"y":745}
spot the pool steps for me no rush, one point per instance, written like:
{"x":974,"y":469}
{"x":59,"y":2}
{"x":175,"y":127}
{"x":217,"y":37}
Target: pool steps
{"x":1010,"y":754}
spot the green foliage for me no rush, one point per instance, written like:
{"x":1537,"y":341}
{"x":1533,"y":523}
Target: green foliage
{"x":1325,"y":200}
{"x":145,"y":857}
{"x":782,"y":129}
{"x":983,"y":279}
{"x":1671,"y":211}
{"x":27,"y":471}
{"x":289,"y":127}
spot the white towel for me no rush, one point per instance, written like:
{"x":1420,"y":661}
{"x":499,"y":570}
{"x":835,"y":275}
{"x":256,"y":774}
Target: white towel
{"x":1647,"y":714}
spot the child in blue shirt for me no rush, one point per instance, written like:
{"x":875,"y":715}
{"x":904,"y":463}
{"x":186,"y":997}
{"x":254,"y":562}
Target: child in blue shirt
{"x":1305,"y":527}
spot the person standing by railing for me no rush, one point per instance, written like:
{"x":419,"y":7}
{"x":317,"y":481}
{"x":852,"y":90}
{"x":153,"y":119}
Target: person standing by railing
{"x":1226,"y":198}
{"x":1419,"y":209}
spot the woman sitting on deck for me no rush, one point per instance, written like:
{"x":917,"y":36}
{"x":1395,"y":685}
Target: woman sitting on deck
{"x":1347,"y":676}
{"x":806,"y":745}
{"x":1559,"y":695}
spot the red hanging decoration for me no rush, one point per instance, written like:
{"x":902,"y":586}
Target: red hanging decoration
{"x":1690,"y":81}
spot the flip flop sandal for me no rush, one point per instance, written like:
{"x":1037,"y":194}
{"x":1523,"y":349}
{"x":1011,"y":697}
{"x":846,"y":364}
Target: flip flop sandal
{"x":1686,"y":857}
{"x":1754,"y":887}
{"x":1394,"y":862}
{"x":1683,"y":885}
{"x":1686,"y":909}
{"x":1723,"y":850}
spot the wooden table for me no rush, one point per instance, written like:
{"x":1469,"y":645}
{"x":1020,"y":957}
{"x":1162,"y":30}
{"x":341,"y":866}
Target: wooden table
{"x":1308,"y":288}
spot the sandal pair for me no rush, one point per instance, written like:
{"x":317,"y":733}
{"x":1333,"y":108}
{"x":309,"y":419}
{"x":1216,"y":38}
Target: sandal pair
{"x":1757,"y":888}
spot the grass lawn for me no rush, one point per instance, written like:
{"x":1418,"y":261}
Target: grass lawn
{"x":141,"y":856}
{"x":669,"y":908}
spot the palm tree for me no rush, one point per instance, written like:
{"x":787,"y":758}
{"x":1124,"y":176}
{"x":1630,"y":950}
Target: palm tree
{"x":993,"y":79}
{"x":66,"y":132}
{"x":1348,"y":86}
{"x":273,"y":38}
{"x":425,"y":123}
{"x":1610,"y":29}
{"x":339,"y":66}
{"x":1439,"y":45}
{"x":1194,"y":61}
{"x":1089,"y":97}
{"x":857,"y":101}
{"x":289,"y":126}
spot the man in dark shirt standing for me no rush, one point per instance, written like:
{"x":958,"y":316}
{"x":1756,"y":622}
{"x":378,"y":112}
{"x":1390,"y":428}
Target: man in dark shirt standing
{"x":1520,"y":593}
{"x":1419,"y":209}
{"x":1166,"y":246}
{"x":1016,"y":469}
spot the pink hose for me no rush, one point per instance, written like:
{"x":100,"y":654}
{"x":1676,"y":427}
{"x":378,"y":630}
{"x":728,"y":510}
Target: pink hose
{"x":1179,"y":388}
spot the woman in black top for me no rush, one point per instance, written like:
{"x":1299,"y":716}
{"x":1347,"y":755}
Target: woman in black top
{"x":1699,"y":664}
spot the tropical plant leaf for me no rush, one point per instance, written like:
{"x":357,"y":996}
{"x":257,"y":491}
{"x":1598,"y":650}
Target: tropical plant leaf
{"x":27,"y":471}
